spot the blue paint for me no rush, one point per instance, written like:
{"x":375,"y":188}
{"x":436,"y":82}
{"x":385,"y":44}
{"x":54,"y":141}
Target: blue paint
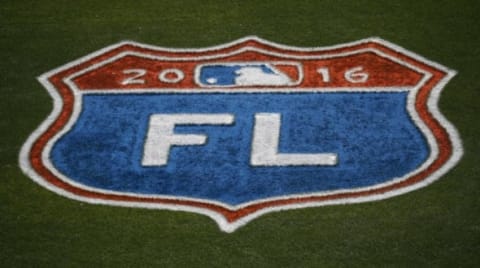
{"x":371,"y":132}
{"x":225,"y":75}
{"x":221,"y":75}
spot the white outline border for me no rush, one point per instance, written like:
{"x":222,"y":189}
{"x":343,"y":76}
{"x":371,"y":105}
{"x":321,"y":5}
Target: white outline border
{"x":224,"y":225}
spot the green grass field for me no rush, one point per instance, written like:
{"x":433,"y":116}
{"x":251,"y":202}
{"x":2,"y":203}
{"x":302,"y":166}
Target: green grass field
{"x":436,"y":226}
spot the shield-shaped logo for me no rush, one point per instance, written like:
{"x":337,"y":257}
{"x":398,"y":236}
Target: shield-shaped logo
{"x":242,"y":129}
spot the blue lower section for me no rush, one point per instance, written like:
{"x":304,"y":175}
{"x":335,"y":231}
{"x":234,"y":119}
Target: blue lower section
{"x":372,"y":134}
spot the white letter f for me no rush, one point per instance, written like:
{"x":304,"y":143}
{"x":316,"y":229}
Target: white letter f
{"x":160,"y":136}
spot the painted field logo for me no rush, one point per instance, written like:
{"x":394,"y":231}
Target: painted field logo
{"x":242,"y":129}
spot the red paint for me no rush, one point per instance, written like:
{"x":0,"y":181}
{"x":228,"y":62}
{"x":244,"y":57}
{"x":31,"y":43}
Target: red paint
{"x":382,"y":72}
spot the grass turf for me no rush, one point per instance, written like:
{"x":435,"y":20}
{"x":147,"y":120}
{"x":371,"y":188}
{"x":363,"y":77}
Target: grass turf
{"x":436,"y":226}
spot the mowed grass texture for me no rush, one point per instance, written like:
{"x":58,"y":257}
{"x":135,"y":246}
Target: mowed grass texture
{"x":435,"y":226}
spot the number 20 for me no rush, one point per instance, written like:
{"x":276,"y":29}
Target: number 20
{"x":166,"y":76}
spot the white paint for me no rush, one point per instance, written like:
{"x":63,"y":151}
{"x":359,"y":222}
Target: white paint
{"x":223,"y":224}
{"x":279,"y":90}
{"x":325,"y":73}
{"x":254,"y":76}
{"x":135,"y":78}
{"x":161,"y":136}
{"x":355,"y":75}
{"x":212,"y":80}
{"x":178,"y":76}
{"x":266,"y":137}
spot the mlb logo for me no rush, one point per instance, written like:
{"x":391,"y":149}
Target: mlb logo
{"x":242,"y":129}
{"x":249,"y":74}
